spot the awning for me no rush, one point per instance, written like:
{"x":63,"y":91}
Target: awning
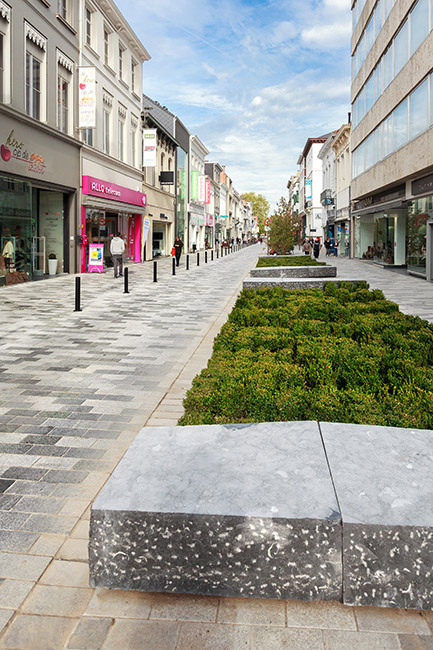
{"x":111,"y":206}
{"x":380,"y":207}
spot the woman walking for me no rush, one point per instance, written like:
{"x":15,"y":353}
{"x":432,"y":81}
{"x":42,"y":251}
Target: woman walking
{"x":178,"y":244}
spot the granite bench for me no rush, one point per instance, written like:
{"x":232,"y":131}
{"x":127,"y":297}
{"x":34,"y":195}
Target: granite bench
{"x":294,"y":272}
{"x":254,"y":510}
{"x":293,"y":283}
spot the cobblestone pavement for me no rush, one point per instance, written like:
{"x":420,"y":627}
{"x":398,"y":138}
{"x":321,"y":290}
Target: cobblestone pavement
{"x":76,"y":387}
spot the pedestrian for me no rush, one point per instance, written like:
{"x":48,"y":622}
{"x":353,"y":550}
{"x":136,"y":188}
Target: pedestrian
{"x":336,"y":247}
{"x":306,"y":247}
{"x":328,"y":246}
{"x":316,"y":248}
{"x":117,"y":248}
{"x":178,"y":244}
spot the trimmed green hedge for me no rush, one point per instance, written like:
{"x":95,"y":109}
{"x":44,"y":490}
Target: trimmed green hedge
{"x":344,"y":354}
{"x":288,"y":260}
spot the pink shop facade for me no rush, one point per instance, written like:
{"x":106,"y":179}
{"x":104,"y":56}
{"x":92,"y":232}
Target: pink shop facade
{"x":108,"y":208}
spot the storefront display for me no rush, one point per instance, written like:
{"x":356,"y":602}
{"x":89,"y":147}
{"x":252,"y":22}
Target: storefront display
{"x":420,"y":213}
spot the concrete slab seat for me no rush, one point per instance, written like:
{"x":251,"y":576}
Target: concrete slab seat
{"x":251,"y":510}
{"x":293,"y":283}
{"x":235,"y":510}
{"x":294,"y":272}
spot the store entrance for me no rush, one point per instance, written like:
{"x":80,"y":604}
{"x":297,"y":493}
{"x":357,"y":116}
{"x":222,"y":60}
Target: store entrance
{"x":100,"y":229}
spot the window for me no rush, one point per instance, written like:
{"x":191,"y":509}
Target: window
{"x":133,"y":75}
{"x":400,"y":125}
{"x":106,"y":47}
{"x":62,"y":104}
{"x":88,"y":136}
{"x":121,"y":143}
{"x":121,"y":61}
{"x":418,"y":110}
{"x":88,"y":26}
{"x":401,"y":48}
{"x":62,"y":9}
{"x":33,"y":86}
{"x":133,"y":147}
{"x":106,"y":131}
{"x":419,"y":24}
{"x":2,"y":39}
{"x":431,"y":99}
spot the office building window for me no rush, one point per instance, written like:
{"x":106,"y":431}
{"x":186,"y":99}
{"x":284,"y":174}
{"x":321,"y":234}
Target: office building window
{"x":106,"y":131}
{"x":88,"y":26}
{"x":418,"y":110}
{"x":62,"y":104}
{"x":419,"y":24}
{"x":33,"y":86}
{"x":400,"y":125}
{"x":401,"y":48}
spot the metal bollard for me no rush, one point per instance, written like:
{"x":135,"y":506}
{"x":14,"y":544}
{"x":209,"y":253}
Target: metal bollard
{"x":205,"y":257}
{"x":173,"y":266}
{"x":125,"y":280}
{"x":198,"y":259}
{"x":187,"y":262}
{"x":217,"y":253}
{"x":211,"y":255}
{"x":155,"y":271}
{"x":77,"y":294}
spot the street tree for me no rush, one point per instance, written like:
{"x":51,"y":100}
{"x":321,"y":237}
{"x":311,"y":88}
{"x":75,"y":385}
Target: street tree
{"x":261,"y":207}
{"x":282,"y":235}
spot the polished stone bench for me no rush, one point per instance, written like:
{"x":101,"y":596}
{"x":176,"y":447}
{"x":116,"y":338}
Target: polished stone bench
{"x":294,"y":272}
{"x":294,"y":283}
{"x":254,"y":510}
{"x":234,"y":510}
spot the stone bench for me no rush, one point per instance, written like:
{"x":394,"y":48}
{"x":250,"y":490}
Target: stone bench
{"x":294,"y":272}
{"x":235,"y":510}
{"x":254,"y":510}
{"x":293,"y":283}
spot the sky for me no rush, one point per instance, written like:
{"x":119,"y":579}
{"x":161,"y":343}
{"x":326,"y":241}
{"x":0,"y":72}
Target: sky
{"x":253,"y":79}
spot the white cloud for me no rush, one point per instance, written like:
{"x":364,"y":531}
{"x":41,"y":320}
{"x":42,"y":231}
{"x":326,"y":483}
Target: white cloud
{"x":324,"y":37}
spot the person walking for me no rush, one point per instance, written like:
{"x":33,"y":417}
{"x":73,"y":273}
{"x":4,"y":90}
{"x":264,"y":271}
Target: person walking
{"x":117,"y":248}
{"x":306,"y":247}
{"x":328,"y":245}
{"x":335,"y":247}
{"x":178,"y":244}
{"x":316,"y":248}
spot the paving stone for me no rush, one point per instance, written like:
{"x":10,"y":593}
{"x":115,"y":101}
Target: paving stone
{"x":47,"y":544}
{"x":47,"y":450}
{"x":47,"y":505}
{"x":251,"y":611}
{"x":49,"y":524}
{"x":119,"y":604}
{"x":90,"y":634}
{"x":320,"y":615}
{"x":31,"y":487}
{"x":28,"y":473}
{"x":14,"y":592}
{"x":345,"y":639}
{"x":12,"y":520}
{"x":63,"y":573}
{"x":7,"y":501}
{"x":83,"y":452}
{"x":28,"y":632}
{"x":22,"y":567}
{"x":400,"y":621}
{"x":16,"y":540}
{"x":4,"y":485}
{"x":276,"y":638}
{"x":41,"y":439}
{"x":59,"y":476}
{"x":185,"y":608}
{"x":57,"y":601}
{"x":214,"y":637}
{"x":411,"y":642}
{"x":145,"y":635}
{"x":74,"y":549}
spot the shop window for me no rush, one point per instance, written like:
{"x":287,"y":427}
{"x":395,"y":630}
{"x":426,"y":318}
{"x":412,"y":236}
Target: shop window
{"x":418,"y":110}
{"x":15,"y":229}
{"x":419,"y":24}
{"x":419,"y":213}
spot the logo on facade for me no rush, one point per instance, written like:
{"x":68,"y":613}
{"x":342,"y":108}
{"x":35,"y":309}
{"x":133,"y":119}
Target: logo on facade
{"x":14,"y":148}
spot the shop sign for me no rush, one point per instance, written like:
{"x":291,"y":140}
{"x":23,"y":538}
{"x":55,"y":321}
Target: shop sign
{"x":146,"y":226}
{"x":86,"y":98}
{"x":182,"y":184}
{"x":207,"y":191}
{"x":194,"y":185}
{"x":97,"y":187}
{"x":209,"y":220}
{"x":149,"y":148}
{"x":423,"y":185}
{"x":201,"y":181}
{"x":96,"y":258}
{"x":308,"y":189}
{"x":15,"y":149}
{"x":376,"y":199}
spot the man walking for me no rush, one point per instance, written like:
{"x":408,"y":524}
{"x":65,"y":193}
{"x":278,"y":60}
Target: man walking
{"x":178,"y":243}
{"x":117,"y":248}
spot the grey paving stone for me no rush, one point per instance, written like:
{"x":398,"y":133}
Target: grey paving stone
{"x":49,"y":524}
{"x":47,"y":450}
{"x":41,"y":440}
{"x":14,"y":448}
{"x":84,"y":452}
{"x":47,"y":505}
{"x":5,"y":484}
{"x":12,"y":520}
{"x":90,"y":633}
{"x":7,"y":501}
{"x":16,"y":540}
{"x":64,"y":476}
{"x":38,"y":430}
{"x":28,"y":473}
{"x":31,"y":487}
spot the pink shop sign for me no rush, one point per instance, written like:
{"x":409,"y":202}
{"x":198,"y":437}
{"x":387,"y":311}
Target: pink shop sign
{"x":97,"y":187}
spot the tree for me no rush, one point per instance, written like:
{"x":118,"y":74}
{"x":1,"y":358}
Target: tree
{"x":282,"y":235}
{"x":261,"y":207}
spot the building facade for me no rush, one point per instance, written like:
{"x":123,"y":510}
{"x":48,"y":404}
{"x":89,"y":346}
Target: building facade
{"x":341,"y":147}
{"x":329,"y":185}
{"x":392,"y":133}
{"x":199,"y":233}
{"x":40,"y":157}
{"x":310,"y":187}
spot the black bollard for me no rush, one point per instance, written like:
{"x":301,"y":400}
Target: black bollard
{"x":125,"y":281}
{"x":211,"y":255}
{"x":173,"y":266}
{"x":217,"y":253}
{"x":198,"y":259}
{"x":77,"y":294}
{"x":187,"y":262}
{"x":205,"y":257}
{"x":155,"y":271}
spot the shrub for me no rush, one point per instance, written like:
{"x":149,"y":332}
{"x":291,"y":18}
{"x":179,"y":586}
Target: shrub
{"x":288,"y":260}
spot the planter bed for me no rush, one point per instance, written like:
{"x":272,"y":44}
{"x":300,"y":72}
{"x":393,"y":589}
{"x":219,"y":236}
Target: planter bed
{"x":288,"y":260}
{"x":344,"y":354}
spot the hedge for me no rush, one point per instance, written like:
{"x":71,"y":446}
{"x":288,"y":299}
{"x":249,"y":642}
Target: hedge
{"x":344,"y":354}
{"x":288,"y":260}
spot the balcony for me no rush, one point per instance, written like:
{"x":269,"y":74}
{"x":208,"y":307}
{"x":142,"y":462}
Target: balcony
{"x":326,"y":198}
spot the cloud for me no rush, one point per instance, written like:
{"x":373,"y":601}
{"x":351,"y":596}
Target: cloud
{"x":325,"y":36}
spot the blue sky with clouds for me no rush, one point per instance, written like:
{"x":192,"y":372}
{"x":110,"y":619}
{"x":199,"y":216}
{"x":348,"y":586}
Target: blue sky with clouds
{"x":252,"y":78}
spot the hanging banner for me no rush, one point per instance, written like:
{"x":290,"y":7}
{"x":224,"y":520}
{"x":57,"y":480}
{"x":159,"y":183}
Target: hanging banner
{"x":146,"y":226}
{"x":149,"y":148}
{"x":207,"y":191}
{"x":96,"y":258}
{"x":308,"y":189}
{"x":201,"y":181}
{"x":194,"y":185}
{"x":86,"y":98}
